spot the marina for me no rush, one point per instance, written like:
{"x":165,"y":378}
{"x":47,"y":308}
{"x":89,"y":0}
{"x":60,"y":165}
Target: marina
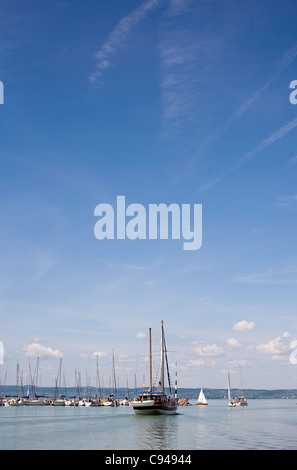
{"x":154,"y":400}
{"x":64,"y":401}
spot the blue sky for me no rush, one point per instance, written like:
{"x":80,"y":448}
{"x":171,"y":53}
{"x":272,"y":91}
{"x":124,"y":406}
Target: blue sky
{"x":162,"y":101}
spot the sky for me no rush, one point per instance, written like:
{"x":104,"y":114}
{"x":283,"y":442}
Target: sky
{"x":161,"y":101}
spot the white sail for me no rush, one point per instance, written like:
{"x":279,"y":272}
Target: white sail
{"x":231,"y":404}
{"x":201,"y":399}
{"x":229,"y":391}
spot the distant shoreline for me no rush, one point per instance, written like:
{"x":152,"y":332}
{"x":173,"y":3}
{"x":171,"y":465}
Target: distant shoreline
{"x":190,"y":393}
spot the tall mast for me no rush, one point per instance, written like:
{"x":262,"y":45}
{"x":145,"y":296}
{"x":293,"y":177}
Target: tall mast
{"x":114,"y":375}
{"x":241,"y":385}
{"x":150,"y":344}
{"x":175,"y":394}
{"x":58,"y":380}
{"x":17,"y":380}
{"x":162,"y":357}
{"x":98,"y":386}
{"x":36,"y":376}
{"x":161,"y":380}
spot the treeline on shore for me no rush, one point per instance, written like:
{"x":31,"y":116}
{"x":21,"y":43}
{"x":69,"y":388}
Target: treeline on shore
{"x":190,"y":393}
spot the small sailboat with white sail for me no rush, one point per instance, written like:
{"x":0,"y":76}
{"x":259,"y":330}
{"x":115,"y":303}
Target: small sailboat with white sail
{"x":231,"y":403}
{"x":201,"y":399}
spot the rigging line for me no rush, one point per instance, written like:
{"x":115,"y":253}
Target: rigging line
{"x":167,"y":365}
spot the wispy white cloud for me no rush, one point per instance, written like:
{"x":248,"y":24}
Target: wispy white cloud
{"x":293,"y":160}
{"x":99,"y":354}
{"x":286,"y":275}
{"x":238,"y":362}
{"x":201,"y":363}
{"x":183,"y":90}
{"x":286,"y":201}
{"x":244,"y":326}
{"x":126,"y":266}
{"x":203,"y":349}
{"x":177,"y":7}
{"x":233,"y":343}
{"x":281,"y":65}
{"x":240,"y":161}
{"x":118,"y":36}
{"x":140,"y":335}
{"x":277,"y":347}
{"x":35,"y":350}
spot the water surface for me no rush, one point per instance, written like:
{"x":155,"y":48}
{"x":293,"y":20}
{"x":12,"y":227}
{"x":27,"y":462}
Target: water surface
{"x":263,"y":424}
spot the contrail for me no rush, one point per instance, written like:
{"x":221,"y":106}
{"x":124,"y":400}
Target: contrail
{"x":118,"y":35}
{"x":281,"y":65}
{"x":240,"y":161}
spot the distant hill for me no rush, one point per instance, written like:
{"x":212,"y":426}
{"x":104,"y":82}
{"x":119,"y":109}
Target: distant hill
{"x":217,"y":393}
{"x":191,"y":393}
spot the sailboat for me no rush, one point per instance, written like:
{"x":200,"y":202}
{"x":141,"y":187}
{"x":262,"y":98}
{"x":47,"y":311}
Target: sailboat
{"x":201,"y":399}
{"x":156,"y":402}
{"x":58,"y":400}
{"x":241,"y":400}
{"x":36,"y":400}
{"x":231,"y":403}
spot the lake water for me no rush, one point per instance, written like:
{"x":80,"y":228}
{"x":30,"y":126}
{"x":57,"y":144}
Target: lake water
{"x":263,"y":425}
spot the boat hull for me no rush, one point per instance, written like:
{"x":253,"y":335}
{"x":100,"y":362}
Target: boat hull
{"x":241,"y":401}
{"x":170,"y":410}
{"x":37,"y":403}
{"x":150,"y":407}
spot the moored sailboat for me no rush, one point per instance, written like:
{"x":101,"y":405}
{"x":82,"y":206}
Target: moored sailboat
{"x":241,"y":400}
{"x":156,"y":402}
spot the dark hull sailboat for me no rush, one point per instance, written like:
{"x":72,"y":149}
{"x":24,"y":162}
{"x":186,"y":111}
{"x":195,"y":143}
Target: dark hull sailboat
{"x":156,"y":402}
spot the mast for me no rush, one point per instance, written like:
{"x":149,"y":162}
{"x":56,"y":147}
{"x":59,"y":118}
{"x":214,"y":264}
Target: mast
{"x":64,"y":385}
{"x":17,"y":380}
{"x":161,"y":385}
{"x":229,"y":391}
{"x":175,"y":394}
{"x":58,"y":380}
{"x":36,"y":380}
{"x":162,"y":358}
{"x":114,"y":375}
{"x":241,"y":383}
{"x":77,"y":382}
{"x":98,"y":386}
{"x":150,"y":344}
